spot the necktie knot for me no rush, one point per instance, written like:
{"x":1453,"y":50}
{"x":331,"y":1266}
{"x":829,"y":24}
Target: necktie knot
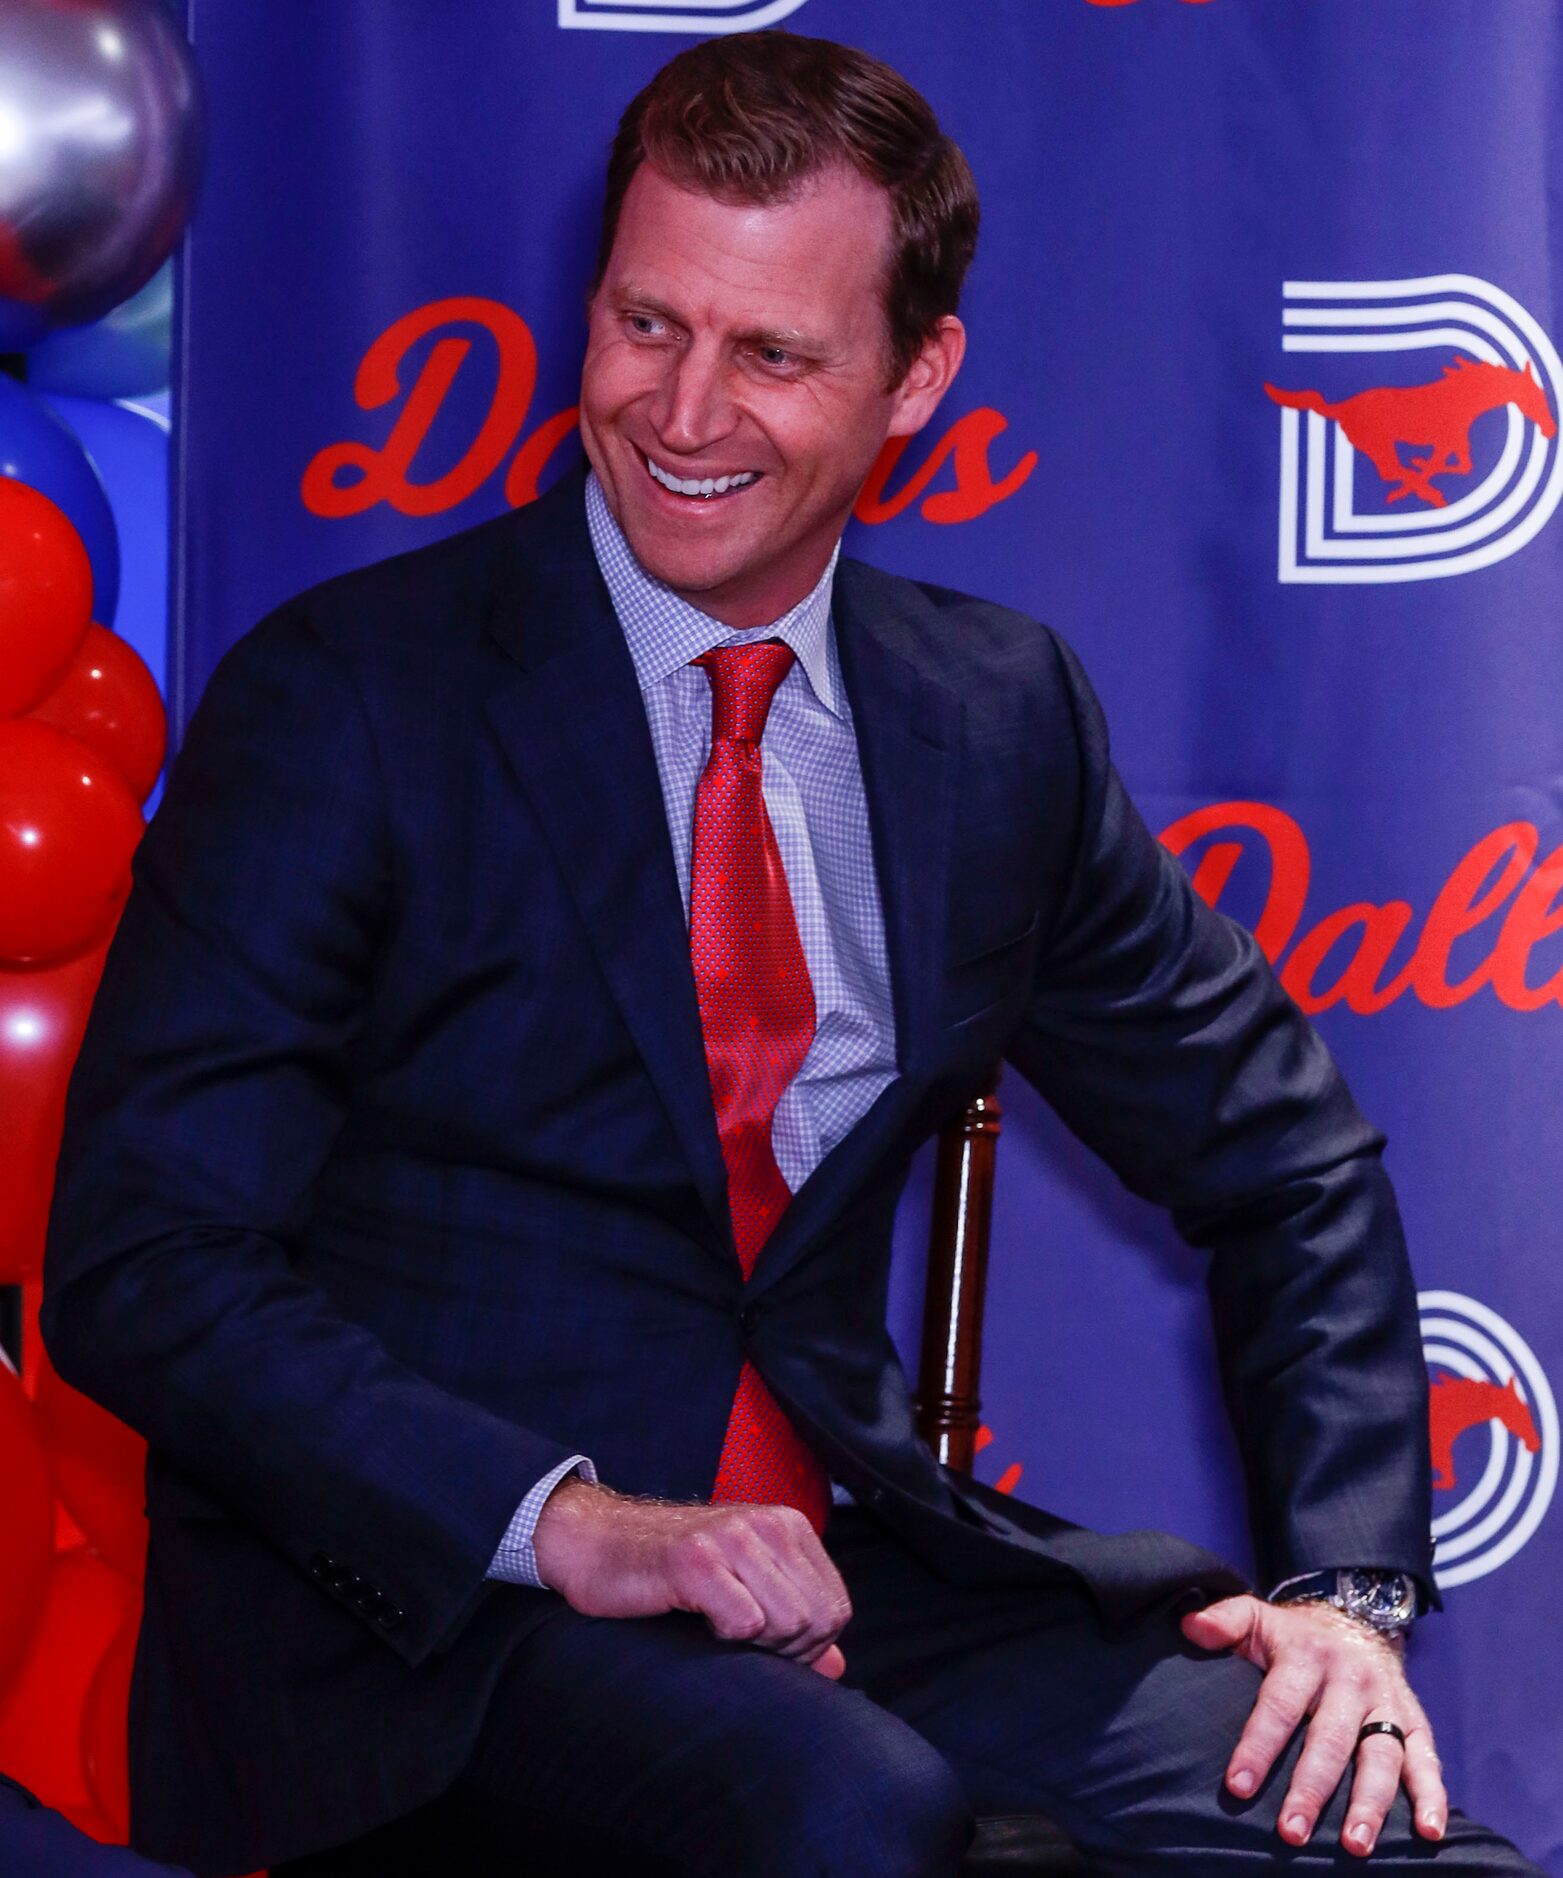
{"x":744,"y":679}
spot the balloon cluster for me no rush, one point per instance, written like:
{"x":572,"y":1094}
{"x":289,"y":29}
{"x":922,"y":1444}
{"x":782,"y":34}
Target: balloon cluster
{"x":81,"y":744}
{"x":99,"y":155}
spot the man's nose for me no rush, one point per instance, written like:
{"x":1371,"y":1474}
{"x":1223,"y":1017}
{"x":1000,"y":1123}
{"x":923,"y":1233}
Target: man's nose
{"x":695,"y":408}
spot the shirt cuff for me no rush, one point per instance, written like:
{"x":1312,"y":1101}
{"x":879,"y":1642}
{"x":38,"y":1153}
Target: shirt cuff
{"x":515,"y":1563}
{"x":1280,"y":1591}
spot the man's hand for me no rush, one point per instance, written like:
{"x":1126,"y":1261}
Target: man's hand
{"x":1319,"y":1662}
{"x":757,"y":1574}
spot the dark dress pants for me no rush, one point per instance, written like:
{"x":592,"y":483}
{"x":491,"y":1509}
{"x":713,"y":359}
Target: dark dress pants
{"x":648,"y":1747}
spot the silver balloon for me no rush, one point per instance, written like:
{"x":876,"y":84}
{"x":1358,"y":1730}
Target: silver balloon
{"x":100,"y":148}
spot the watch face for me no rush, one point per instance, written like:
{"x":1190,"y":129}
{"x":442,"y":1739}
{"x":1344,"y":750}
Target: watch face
{"x":1385,"y":1598}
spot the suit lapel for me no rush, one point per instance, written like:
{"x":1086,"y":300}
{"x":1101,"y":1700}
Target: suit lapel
{"x":573,"y":727}
{"x":909,"y":730}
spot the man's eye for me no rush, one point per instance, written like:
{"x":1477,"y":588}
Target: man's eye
{"x":646,"y":324}
{"x":775,"y":356}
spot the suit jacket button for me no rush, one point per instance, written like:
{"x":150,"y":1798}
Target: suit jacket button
{"x":748,"y":1318}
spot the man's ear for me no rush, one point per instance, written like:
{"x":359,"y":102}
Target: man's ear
{"x":928,"y":378}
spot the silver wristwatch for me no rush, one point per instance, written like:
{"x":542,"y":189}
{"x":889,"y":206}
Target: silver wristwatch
{"x":1386,"y":1600}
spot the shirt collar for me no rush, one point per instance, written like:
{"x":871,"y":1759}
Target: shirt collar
{"x":664,"y":632}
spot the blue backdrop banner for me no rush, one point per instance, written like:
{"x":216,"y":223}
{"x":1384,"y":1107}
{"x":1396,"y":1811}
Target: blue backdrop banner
{"x":1260,"y":411}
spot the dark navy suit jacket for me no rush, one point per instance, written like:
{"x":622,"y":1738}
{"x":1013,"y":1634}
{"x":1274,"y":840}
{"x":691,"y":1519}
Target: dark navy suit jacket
{"x":390,"y":1175}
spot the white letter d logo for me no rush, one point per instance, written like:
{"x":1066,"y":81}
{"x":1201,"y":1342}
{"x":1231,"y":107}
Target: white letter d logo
{"x":675,"y":16}
{"x":1405,"y":448}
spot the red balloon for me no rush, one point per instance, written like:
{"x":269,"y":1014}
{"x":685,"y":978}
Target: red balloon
{"x":110,"y":702}
{"x":43,"y":1012}
{"x":26,"y":1524}
{"x":45,"y":595}
{"x":42,"y":1712}
{"x":99,"y":1468}
{"x":68,"y":827}
{"x":103,"y":1732}
{"x":90,"y":1821}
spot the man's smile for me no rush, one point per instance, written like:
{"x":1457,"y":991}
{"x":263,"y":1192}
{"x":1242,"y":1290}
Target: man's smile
{"x":702,"y":487}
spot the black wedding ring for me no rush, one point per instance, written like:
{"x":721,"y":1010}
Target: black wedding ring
{"x":1380,"y":1728}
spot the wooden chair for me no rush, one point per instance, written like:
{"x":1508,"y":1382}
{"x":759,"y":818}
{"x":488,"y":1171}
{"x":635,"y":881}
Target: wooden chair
{"x":949,"y":1407}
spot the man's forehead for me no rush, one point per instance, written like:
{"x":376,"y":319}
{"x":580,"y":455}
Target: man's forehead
{"x":798,"y":267}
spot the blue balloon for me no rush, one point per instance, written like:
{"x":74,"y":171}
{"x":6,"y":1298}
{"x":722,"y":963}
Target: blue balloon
{"x":38,"y":447}
{"x":121,"y":355}
{"x":159,"y":404}
{"x":128,"y":445}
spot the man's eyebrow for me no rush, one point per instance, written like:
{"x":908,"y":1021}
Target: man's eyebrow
{"x":789,"y":338}
{"x":648,"y":303}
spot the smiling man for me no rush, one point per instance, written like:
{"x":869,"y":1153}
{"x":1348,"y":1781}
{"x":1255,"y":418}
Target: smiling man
{"x":478,"y":1177}
{"x":741,"y":378}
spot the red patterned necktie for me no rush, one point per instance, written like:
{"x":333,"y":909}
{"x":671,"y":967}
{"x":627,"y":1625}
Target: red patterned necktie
{"x":757,"y":1013}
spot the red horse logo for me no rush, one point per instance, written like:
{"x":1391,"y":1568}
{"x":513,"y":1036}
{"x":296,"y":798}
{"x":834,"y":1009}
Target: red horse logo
{"x":1439,"y":415}
{"x":1458,"y":1403}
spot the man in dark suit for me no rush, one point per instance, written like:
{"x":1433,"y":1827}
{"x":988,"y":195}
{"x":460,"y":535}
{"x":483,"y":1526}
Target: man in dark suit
{"x":479,"y":1170}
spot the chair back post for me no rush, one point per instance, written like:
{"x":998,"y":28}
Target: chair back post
{"x":949,"y":1402}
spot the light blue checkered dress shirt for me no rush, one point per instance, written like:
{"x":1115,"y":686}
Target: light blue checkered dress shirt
{"x":813,"y":789}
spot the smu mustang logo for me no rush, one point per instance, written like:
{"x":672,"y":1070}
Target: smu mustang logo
{"x":1455,"y":1403}
{"x":1440,"y":415}
{"x":675,"y":16}
{"x":1485,"y":1376}
{"x":1490,"y":357}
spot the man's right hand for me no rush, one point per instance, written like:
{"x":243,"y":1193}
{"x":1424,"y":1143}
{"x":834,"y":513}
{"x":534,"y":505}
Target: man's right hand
{"x":757,"y":1574}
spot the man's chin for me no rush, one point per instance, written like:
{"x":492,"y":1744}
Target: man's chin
{"x":689,"y":575}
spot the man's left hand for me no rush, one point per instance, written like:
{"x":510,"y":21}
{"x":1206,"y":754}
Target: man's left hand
{"x":1320,"y":1663}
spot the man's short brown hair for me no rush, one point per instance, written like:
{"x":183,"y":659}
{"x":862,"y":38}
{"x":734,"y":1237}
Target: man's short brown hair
{"x":751,"y":117}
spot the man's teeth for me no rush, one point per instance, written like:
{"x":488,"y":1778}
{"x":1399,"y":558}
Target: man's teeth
{"x":707,"y":486}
